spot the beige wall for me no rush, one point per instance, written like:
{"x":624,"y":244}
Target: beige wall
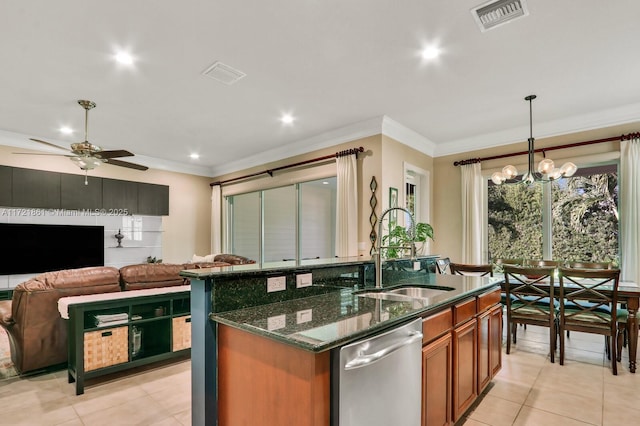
{"x":447,"y":218}
{"x":187,"y":228}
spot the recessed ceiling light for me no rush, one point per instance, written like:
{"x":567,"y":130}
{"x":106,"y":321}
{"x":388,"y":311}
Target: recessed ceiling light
{"x":286,"y":118}
{"x":325,"y":183}
{"x":194,"y":156}
{"x":124,"y":58}
{"x":65,"y":130}
{"x":430,"y":52}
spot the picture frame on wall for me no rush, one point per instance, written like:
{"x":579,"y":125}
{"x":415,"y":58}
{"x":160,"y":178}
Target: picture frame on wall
{"x":393,"y":202}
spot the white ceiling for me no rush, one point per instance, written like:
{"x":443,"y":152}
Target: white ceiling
{"x":332,"y":64}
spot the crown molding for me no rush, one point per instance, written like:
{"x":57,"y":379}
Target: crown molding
{"x":406,"y":136}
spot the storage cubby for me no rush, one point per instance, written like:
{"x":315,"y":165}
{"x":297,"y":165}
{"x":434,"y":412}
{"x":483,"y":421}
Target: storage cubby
{"x":132,"y":331}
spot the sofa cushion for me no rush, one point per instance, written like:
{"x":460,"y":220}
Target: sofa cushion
{"x":148,"y":275}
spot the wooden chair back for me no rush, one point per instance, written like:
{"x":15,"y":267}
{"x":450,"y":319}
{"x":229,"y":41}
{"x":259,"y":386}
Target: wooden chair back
{"x":590,"y":265}
{"x":442,"y":264}
{"x":482,"y":270}
{"x":542,"y":263}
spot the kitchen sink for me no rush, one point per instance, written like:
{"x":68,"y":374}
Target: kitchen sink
{"x":387,"y":296}
{"x":420,"y":292}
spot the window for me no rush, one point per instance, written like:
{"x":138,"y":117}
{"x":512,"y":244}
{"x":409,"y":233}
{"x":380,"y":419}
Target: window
{"x":287,"y":223}
{"x":571,"y":219}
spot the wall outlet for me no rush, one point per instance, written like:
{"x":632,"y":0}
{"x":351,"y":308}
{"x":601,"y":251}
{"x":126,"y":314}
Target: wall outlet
{"x":416,"y":265}
{"x":304,"y":280}
{"x":276,"y":322}
{"x":304,"y":316}
{"x":276,"y":284}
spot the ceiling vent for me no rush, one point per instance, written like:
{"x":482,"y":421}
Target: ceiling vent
{"x":497,"y":12}
{"x":223,"y":73}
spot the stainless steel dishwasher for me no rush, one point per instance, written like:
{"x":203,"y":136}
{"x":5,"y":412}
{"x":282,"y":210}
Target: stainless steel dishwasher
{"x":380,"y":379}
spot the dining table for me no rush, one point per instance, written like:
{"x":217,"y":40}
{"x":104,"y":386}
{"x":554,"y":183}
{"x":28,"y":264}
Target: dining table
{"x":628,"y":294}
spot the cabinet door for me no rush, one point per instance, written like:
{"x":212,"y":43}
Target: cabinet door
{"x":120,"y":195}
{"x":495,"y":340}
{"x":35,"y":188}
{"x":75,"y":195}
{"x":153,"y":200}
{"x":465,"y":367}
{"x":484,"y":350}
{"x":5,"y":186}
{"x":436,"y":382}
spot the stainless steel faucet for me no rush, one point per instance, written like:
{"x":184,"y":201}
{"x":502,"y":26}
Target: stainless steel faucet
{"x":377,"y":255}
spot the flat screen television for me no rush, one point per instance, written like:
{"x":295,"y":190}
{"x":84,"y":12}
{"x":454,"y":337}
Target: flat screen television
{"x":32,"y":248}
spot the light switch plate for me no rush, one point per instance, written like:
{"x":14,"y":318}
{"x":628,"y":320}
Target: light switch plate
{"x":276,"y":284}
{"x":304,"y":280}
{"x":416,"y":266}
{"x":304,"y":316}
{"x":276,"y":322}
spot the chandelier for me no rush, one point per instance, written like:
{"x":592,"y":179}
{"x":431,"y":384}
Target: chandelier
{"x":546,"y":171}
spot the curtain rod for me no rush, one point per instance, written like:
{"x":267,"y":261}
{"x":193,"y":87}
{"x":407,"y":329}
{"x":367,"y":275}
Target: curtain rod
{"x":351,"y":151}
{"x":552,"y":148}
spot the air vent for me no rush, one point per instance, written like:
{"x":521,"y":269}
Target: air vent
{"x":223,"y":73}
{"x":497,"y":12}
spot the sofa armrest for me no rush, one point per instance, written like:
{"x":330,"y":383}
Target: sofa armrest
{"x":6,"y":319}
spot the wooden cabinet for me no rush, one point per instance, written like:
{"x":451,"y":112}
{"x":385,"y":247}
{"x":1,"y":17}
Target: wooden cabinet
{"x":5,"y":186}
{"x":120,"y":195}
{"x":153,"y":200}
{"x":462,"y":352}
{"x":75,"y":195}
{"x":436,"y":382}
{"x":35,"y":189}
{"x":465,"y":367}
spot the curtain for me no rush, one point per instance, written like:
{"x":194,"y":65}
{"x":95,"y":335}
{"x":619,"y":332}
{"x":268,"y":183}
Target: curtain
{"x":347,"y":206}
{"x":629,"y":210}
{"x":216,"y":219}
{"x":472,"y":217}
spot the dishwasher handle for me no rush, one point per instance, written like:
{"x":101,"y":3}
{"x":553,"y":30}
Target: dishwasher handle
{"x":365,"y":360}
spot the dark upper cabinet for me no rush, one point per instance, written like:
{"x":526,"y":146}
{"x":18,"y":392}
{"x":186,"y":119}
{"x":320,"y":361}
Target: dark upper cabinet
{"x":153,"y":200}
{"x":5,"y":186}
{"x":75,"y":195}
{"x":35,"y":188}
{"x":120,"y":195}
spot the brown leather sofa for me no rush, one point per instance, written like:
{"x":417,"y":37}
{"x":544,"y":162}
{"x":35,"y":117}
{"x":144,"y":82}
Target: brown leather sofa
{"x":37,"y":333}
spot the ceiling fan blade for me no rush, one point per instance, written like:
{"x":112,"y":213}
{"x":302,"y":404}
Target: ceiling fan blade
{"x":113,"y":154}
{"x":126,"y":164}
{"x":48,"y":143}
{"x":38,"y":153}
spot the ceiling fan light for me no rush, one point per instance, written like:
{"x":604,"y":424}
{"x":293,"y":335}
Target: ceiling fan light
{"x":509,"y":172}
{"x":546,"y":166}
{"x":86,"y":163}
{"x":568,"y":169}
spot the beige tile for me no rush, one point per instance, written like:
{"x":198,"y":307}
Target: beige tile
{"x":99,"y":398}
{"x":175,"y":399}
{"x":44,"y":413}
{"x":472,"y":422}
{"x":495,"y":411}
{"x":577,"y":378}
{"x":564,"y":404}
{"x":529,"y":416}
{"x":184,"y":417}
{"x":511,"y":390}
{"x":142,"y":411}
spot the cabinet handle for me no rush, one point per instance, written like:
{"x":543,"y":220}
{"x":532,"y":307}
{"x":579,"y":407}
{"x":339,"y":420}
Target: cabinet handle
{"x":107,"y":334}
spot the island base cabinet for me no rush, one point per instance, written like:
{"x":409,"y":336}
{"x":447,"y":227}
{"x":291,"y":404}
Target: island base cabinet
{"x":436,"y":382}
{"x":268,"y":383}
{"x":465,"y":367}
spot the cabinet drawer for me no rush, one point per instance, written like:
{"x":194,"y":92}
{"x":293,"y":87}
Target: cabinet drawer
{"x":464,"y":311}
{"x":103,"y":348}
{"x":436,"y":325}
{"x":488,"y":299}
{"x":181,"y":327}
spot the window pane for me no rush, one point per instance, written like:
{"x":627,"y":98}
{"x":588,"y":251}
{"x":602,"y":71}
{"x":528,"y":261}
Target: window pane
{"x":585,"y":217}
{"x":279,"y":224}
{"x":318,"y":218}
{"x":515,"y":221}
{"x":245,"y":223}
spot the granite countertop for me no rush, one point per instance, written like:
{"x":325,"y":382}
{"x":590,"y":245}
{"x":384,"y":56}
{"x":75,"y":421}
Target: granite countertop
{"x":322,"y":322}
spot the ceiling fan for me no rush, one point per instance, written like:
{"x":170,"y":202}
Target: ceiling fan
{"x":88,"y":156}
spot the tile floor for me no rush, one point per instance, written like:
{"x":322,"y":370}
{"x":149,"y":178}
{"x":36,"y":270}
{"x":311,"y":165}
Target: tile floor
{"x":529,"y":390}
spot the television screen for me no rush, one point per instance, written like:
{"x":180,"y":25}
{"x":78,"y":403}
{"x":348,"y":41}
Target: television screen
{"x":41,"y":248}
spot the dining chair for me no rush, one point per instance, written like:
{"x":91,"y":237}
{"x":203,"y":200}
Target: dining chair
{"x":589,"y":304}
{"x":442,"y":264}
{"x":530,"y":299}
{"x":481,"y":270}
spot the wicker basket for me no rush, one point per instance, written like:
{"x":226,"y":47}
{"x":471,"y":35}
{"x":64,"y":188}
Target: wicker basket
{"x":103,"y":348}
{"x":181,"y":333}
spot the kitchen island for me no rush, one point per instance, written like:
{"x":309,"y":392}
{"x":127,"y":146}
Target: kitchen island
{"x":280,"y":349}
